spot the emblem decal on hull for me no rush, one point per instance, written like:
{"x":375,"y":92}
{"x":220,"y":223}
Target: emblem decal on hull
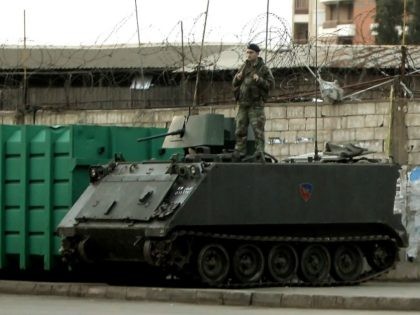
{"x":305,"y":191}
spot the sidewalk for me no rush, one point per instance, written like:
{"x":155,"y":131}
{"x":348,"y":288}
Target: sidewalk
{"x":403,"y":296}
{"x":404,"y":271}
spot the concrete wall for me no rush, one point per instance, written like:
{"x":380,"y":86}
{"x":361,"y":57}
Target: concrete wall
{"x":290,"y":128}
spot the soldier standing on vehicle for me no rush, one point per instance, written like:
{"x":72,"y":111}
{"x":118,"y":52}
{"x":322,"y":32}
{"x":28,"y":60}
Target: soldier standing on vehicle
{"x":251,"y":85}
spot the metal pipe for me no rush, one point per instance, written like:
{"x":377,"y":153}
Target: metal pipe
{"x":172,"y":133}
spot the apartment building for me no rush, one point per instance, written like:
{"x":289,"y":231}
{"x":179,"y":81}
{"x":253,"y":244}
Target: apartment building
{"x":333,"y":21}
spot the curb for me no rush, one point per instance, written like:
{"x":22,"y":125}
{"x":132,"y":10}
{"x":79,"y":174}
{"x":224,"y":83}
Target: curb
{"x":211,"y":296}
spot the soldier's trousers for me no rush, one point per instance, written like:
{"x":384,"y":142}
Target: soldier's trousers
{"x":255,"y":116}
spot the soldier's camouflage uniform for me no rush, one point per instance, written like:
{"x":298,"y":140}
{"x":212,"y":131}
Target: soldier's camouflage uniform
{"x":252,"y":95}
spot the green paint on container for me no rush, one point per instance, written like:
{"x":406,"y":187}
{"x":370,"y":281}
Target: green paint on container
{"x":43,"y":170}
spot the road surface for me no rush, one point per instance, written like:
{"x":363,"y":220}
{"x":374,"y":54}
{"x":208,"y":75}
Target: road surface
{"x":55,"y":305}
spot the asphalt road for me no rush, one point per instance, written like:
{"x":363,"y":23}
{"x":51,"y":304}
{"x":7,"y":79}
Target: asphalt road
{"x":53,"y":305}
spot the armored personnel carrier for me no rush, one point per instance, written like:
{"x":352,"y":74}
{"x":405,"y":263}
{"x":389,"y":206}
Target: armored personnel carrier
{"x":228,"y":220}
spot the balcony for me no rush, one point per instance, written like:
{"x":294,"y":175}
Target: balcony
{"x":336,"y":23}
{"x":346,"y":30}
{"x":338,"y":28}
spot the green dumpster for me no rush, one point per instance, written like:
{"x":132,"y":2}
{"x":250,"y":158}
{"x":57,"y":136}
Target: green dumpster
{"x":43,"y":170}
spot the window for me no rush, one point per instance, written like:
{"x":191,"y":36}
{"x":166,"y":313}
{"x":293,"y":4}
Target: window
{"x":301,"y":33}
{"x":301,"y":6}
{"x":339,"y":12}
{"x":137,"y":83}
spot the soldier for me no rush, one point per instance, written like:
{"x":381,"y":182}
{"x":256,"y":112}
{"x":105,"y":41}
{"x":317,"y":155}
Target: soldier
{"x":251,"y":85}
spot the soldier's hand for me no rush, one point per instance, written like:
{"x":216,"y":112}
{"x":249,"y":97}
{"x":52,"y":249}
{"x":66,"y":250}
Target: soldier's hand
{"x":239,"y":75}
{"x":255,"y":77}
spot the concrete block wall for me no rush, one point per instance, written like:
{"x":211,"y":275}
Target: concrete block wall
{"x":290,"y":128}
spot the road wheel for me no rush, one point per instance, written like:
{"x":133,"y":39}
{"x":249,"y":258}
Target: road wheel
{"x":282,"y":262}
{"x":347,"y":262}
{"x":315,"y":263}
{"x":213,"y":264}
{"x":248,"y":263}
{"x":381,"y":256}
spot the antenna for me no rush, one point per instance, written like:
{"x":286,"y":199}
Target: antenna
{"x":141,"y":59}
{"x":197,"y":81}
{"x":22,"y":105}
{"x":183,"y":83}
{"x":25,"y":77}
{"x":266,"y":30}
{"x":316,"y":155}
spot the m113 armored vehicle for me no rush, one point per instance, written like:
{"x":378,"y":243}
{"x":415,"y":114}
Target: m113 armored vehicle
{"x":226,"y":220}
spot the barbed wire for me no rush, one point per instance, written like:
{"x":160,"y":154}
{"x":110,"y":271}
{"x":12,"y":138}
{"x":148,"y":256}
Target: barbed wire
{"x":87,"y":67}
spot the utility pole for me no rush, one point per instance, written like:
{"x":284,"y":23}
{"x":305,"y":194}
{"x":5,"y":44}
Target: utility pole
{"x":399,"y":106}
{"x":316,"y":149}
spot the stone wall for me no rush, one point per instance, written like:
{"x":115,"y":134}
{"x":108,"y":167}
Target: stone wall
{"x":290,"y":128}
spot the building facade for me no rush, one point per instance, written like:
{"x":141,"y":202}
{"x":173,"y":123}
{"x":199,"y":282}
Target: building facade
{"x":334,"y":21}
{"x":301,"y":15}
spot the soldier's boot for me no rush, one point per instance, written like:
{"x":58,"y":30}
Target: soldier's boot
{"x":237,"y":155}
